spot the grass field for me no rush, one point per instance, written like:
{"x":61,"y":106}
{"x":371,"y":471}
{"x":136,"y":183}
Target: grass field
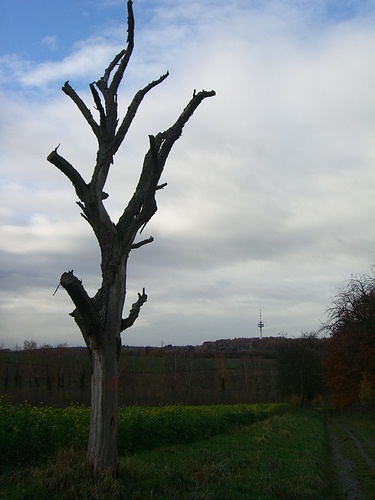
{"x":174,"y":452}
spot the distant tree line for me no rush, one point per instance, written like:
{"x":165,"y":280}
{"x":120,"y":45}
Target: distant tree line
{"x":301,"y":370}
{"x":192,"y":375}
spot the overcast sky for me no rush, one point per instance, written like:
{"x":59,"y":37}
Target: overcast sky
{"x":270,"y":200}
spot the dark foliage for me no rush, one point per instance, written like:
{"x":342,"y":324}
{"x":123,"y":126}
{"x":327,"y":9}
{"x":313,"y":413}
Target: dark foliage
{"x":349,"y":361}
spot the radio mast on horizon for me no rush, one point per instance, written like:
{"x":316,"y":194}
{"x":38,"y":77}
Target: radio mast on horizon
{"x":260,"y":324}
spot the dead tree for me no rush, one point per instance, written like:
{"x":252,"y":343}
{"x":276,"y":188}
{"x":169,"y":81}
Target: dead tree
{"x":100,"y":317}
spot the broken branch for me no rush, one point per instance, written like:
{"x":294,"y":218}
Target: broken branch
{"x":170,"y":136}
{"x":141,"y":243}
{"x":82,"y":301}
{"x":73,"y":175}
{"x":134,"y":312}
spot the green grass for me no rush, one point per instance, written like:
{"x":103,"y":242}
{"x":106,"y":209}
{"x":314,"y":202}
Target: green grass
{"x":363,"y":426}
{"x":279,"y":452}
{"x":281,"y":457}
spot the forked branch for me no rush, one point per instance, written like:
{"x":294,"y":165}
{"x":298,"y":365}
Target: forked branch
{"x":142,"y":205}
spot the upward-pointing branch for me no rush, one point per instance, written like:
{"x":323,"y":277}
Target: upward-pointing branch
{"x":69,"y":91}
{"x":132,"y":109}
{"x":126,"y":56}
{"x":166,"y":139}
{"x":112,"y":65}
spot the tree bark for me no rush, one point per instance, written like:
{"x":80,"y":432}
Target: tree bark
{"x":105,"y":350}
{"x":102,"y":445}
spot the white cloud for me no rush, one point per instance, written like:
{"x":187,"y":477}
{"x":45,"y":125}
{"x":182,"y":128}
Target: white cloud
{"x":50,"y":42}
{"x":84,"y":61}
{"x":88,"y":58}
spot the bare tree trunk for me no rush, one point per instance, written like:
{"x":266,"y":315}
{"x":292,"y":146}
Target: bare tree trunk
{"x":302,"y":394}
{"x":100,"y":317}
{"x":105,"y":358}
{"x":102,"y":445}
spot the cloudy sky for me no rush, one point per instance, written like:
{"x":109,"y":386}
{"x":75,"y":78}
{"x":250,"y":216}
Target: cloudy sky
{"x":270,"y":199}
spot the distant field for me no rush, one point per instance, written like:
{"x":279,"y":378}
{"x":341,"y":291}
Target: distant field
{"x":60,"y":376}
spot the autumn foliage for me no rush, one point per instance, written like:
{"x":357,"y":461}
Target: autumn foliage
{"x":350,"y":351}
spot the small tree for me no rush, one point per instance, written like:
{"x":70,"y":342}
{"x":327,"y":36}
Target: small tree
{"x":29,"y":344}
{"x":366,"y":391}
{"x":299,"y":367}
{"x":100,"y":317}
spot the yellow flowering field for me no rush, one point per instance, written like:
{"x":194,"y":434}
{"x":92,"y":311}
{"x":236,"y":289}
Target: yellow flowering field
{"x":30,"y":433}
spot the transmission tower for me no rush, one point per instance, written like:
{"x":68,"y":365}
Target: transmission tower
{"x":260,"y":324}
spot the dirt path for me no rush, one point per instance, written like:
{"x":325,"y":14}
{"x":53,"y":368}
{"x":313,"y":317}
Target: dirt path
{"x":347,"y":485}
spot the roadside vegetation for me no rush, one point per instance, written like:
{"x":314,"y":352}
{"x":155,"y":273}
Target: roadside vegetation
{"x":212,"y":452}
